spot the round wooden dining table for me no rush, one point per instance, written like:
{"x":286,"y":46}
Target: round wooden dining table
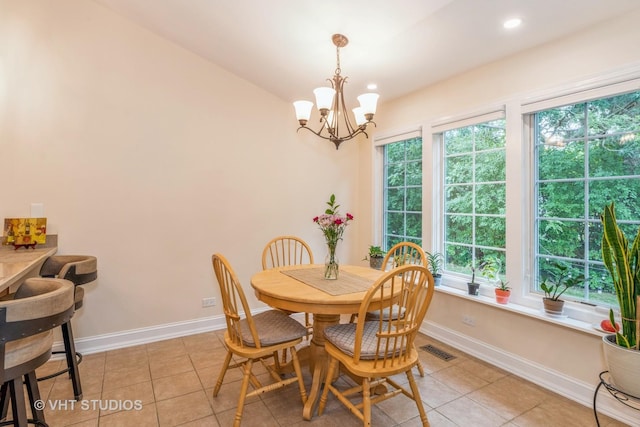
{"x":277,"y":289}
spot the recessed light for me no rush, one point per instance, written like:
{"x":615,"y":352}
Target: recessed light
{"x":372,"y":86}
{"x":512,"y":23}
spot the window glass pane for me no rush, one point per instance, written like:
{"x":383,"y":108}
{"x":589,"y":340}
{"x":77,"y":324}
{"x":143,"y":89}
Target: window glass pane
{"x":414,"y":199}
{"x":561,"y":200}
{"x":414,"y":149}
{"x":459,"y":169}
{"x":560,"y":124}
{"x":402,"y":212}
{"x":560,"y":238}
{"x":624,"y":192}
{"x":395,"y":224}
{"x":490,"y":135}
{"x":474,"y":213}
{"x":459,"y":199}
{"x":619,"y":114}
{"x":491,"y":198}
{"x":574,"y":185}
{"x":614,"y":156}
{"x":414,"y":173}
{"x":457,"y":229}
{"x":459,"y":141}
{"x":490,"y":166}
{"x":561,"y":160}
{"x":490,"y":231}
{"x":395,"y":174}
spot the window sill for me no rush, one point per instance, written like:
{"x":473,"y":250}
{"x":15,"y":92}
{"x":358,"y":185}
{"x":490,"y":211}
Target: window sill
{"x":522,"y":310}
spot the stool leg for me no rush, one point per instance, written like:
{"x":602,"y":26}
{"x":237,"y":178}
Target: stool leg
{"x":18,"y":408}
{"x":72,"y":363}
{"x":33,"y":392}
{"x":4,"y":400}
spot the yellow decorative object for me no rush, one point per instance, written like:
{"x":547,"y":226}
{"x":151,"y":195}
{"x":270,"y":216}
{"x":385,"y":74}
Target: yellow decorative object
{"x":24,"y":231}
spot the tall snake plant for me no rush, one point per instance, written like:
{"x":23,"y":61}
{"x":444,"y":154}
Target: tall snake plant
{"x":623,"y":263}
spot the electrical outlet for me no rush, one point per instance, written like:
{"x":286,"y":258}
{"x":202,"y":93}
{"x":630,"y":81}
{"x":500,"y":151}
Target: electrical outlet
{"x":208,"y":302}
{"x":468,"y":320}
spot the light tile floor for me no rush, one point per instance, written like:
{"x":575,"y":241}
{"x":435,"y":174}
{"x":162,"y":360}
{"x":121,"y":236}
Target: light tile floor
{"x":170,"y":383}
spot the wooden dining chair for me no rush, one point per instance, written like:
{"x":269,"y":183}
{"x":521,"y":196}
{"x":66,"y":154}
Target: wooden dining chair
{"x":282,"y":251}
{"x":254,"y":338}
{"x":375,"y":350}
{"x":402,"y":253}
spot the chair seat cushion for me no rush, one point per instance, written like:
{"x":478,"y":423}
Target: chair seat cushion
{"x":343,"y":336}
{"x":396,"y":312}
{"x":273,"y":327}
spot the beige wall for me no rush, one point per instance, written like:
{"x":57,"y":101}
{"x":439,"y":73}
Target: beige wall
{"x":152,"y":159}
{"x":603,"y":49}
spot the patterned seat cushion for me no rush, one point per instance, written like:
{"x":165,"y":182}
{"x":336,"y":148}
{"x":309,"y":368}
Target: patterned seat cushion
{"x":273,"y":327}
{"x":395,"y":310}
{"x":343,"y":336}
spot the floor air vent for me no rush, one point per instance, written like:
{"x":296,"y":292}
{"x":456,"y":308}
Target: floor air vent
{"x":441,"y":354}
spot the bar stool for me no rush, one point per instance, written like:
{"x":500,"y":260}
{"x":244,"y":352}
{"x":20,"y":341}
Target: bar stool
{"x":26,"y":339}
{"x":80,"y":270}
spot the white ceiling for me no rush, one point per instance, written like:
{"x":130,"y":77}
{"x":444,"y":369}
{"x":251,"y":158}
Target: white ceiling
{"x":284,"y":46}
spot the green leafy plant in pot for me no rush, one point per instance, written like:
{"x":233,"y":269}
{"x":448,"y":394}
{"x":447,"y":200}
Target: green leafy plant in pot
{"x":490,"y":269}
{"x":435,"y":262}
{"x":561,"y":282}
{"x":375,"y":257}
{"x":622,"y":349}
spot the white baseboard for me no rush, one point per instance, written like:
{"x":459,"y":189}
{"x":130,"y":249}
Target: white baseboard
{"x":150,"y":334}
{"x":555,"y":381}
{"x":106,"y":342}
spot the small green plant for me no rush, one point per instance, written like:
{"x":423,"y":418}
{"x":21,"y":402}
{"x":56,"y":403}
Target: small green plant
{"x":375,"y":252}
{"x":561,"y":280}
{"x":503,"y":285}
{"x":435,"y":260}
{"x":490,"y":269}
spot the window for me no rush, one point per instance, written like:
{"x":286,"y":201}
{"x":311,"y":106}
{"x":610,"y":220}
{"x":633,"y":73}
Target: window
{"x":474,"y":195}
{"x":587,"y":155}
{"x":402,"y":193}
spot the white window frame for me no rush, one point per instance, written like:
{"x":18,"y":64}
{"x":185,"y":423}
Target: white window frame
{"x":436,"y":129}
{"x":595,"y":89}
{"x":377,"y":176}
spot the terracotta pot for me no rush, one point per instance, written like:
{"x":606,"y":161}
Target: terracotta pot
{"x":502,"y":297}
{"x":624,"y":366}
{"x":553,"y":307}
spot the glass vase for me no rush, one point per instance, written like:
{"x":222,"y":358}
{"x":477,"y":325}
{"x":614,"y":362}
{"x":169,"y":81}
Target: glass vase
{"x":331,"y":265}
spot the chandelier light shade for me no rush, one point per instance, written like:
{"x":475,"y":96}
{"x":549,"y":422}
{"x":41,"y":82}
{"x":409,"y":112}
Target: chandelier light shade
{"x":336,"y":122}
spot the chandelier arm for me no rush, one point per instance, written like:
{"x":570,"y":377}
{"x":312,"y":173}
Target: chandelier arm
{"x":338,"y":141}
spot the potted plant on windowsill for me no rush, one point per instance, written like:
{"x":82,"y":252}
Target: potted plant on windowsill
{"x":473,"y":288}
{"x":562,"y":282}
{"x":622,"y":349}
{"x":435,"y":260}
{"x":503,"y":292}
{"x":375,"y":257}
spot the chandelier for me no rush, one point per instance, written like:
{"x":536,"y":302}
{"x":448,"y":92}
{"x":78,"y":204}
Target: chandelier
{"x":335,"y":124}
